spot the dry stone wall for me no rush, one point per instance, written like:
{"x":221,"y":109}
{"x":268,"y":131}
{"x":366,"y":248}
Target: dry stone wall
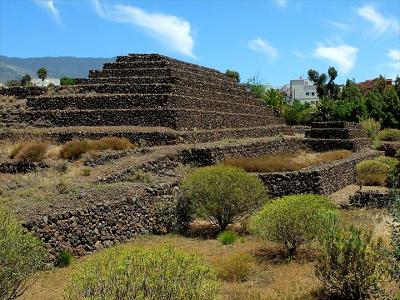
{"x":324,"y":179}
{"x":106,"y":223}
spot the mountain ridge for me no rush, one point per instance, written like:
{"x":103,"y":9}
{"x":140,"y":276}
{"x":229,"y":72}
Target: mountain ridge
{"x":13,"y":68}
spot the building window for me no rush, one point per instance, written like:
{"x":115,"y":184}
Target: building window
{"x":307,"y":94}
{"x":313,"y":93}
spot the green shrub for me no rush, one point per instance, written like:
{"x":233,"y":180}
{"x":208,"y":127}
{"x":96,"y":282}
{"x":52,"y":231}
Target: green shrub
{"x":291,"y":220}
{"x":351,"y":265}
{"x":227,"y":237}
{"x":222,"y":194}
{"x":21,"y":256}
{"x":371,"y":126}
{"x":233,"y":74}
{"x":67,"y":81}
{"x":29,"y":152}
{"x":86,"y":171}
{"x":153,"y":273}
{"x":64,"y":259}
{"x":391,"y":162}
{"x":391,"y":135}
{"x":235,"y":267}
{"x":371,"y":172}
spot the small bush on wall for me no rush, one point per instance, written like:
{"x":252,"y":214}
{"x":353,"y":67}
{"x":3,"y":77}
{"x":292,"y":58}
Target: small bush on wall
{"x":291,"y":220}
{"x":390,"y":135}
{"x":222,"y":194}
{"x":371,"y":172}
{"x":142,"y":273}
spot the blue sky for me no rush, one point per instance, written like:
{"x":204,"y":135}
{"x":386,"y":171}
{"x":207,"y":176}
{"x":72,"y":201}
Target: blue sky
{"x":277,"y":40}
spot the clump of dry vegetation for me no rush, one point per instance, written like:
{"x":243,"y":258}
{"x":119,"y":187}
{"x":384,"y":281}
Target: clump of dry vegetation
{"x":286,"y":162}
{"x":235,"y":267}
{"x":75,"y":148}
{"x":29,"y":152}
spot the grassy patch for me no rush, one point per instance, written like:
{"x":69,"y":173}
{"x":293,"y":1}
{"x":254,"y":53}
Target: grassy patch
{"x":286,"y":162}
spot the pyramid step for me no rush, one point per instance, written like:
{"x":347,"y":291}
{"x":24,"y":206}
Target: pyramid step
{"x":171,"y":70}
{"x":182,"y":119}
{"x":124,"y":101}
{"x":335,"y":133}
{"x":178,"y":76}
{"x":132,"y":58}
{"x":336,"y":124}
{"x":140,"y":57}
{"x":166,"y":64}
{"x":154,"y":136}
{"x":238,"y":96}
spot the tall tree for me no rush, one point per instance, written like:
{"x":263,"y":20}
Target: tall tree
{"x":42,"y":74}
{"x":330,"y":89}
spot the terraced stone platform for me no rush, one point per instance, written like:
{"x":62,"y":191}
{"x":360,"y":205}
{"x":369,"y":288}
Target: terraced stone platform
{"x":337,"y":135}
{"x":188,"y":102}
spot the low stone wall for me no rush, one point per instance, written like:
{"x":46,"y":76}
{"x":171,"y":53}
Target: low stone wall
{"x":22,"y":91}
{"x":335,"y":133}
{"x":212,"y":155}
{"x":376,"y":199}
{"x":333,"y":144}
{"x":124,"y":101}
{"x":21,"y":167}
{"x":324,"y":179}
{"x":179,"y":119}
{"x":106,"y":223}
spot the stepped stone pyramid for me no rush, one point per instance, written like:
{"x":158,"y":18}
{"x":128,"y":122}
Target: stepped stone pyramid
{"x":159,"y":99}
{"x":337,"y":135}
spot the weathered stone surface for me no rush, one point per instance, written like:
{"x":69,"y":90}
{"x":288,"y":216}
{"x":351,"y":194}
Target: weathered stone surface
{"x":324,"y":179}
{"x":376,"y":199}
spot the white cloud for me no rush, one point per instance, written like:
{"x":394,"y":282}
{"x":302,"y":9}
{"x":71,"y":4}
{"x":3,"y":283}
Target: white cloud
{"x":281,"y":3}
{"x":381,"y":23}
{"x":262,"y":46}
{"x":394,"y":54}
{"x":172,"y":31}
{"x":344,"y":56}
{"x":338,"y":25}
{"x":51,"y":8}
{"x":299,"y":54}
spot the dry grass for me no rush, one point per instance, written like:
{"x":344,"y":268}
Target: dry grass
{"x":75,"y":148}
{"x":281,"y":163}
{"x":30,"y":152}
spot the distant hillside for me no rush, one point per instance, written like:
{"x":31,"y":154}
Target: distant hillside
{"x":57,"y":67}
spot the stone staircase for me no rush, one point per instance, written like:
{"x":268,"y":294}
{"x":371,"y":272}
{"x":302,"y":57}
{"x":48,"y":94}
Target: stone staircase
{"x":324,"y":136}
{"x":154,"y":91}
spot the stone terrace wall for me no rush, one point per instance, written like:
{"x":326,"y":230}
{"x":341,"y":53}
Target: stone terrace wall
{"x":324,"y":179}
{"x":103,"y":224}
{"x":377,"y":199}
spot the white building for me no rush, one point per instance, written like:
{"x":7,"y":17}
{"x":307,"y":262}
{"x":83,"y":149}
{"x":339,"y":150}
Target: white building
{"x":301,"y":89}
{"x":46,"y":82}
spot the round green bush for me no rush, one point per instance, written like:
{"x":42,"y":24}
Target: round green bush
{"x":227,"y":237}
{"x":161,"y":273}
{"x":291,"y":220}
{"x":223,"y":194}
{"x":21,"y":256}
{"x":391,"y":135}
{"x":389,"y":161}
{"x":372,"y":172}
